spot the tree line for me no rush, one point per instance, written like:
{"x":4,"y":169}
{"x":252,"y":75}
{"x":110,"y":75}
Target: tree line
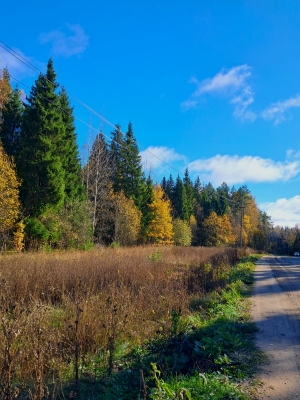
{"x":49,"y":200}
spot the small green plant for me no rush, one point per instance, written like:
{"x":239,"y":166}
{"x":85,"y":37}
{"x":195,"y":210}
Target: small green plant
{"x":164,"y":391}
{"x":115,"y":245}
{"x":156,"y":256}
{"x":87,"y":245}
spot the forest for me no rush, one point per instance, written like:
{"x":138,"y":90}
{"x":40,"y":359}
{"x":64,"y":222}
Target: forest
{"x":52,"y":200}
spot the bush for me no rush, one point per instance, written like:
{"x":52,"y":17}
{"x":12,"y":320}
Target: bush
{"x":182,"y":233}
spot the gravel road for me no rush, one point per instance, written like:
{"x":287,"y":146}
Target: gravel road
{"x":276,"y":312}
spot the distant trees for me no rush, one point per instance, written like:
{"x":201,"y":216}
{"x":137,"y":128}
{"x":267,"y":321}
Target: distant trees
{"x":65,"y":204}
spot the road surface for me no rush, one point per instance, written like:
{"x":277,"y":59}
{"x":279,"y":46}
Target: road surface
{"x":276,"y":312}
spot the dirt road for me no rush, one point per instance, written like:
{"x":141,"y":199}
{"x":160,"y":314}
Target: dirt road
{"x":276,"y":312}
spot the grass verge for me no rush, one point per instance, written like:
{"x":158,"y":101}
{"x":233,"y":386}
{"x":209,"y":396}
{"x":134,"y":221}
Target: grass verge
{"x":209,"y":355}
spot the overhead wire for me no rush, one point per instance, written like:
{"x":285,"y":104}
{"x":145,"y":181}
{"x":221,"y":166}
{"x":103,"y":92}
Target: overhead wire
{"x":32,"y":67}
{"x":109,"y":139}
{"x":35,"y":69}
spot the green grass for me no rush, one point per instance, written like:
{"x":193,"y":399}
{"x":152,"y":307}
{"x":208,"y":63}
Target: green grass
{"x":210,"y":354}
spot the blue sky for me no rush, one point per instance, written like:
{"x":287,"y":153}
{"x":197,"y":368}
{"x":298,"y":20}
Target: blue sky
{"x":212,"y":85}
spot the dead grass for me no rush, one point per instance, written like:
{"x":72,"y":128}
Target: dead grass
{"x":65,"y":313}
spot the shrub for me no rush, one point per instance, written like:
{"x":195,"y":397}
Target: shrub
{"x":182,"y":233}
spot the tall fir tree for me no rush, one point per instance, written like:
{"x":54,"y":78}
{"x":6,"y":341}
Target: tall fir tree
{"x":40,"y":166}
{"x":170,"y":185}
{"x":115,"y":158}
{"x":69,"y":152}
{"x":132,"y":176}
{"x":180,"y":201}
{"x":10,"y":131}
{"x":189,"y":193}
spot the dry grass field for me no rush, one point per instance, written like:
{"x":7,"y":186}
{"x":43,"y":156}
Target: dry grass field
{"x":68,"y":314}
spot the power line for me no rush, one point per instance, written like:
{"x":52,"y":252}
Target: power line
{"x":35,"y":69}
{"x":32,"y":67}
{"x":110,"y":140}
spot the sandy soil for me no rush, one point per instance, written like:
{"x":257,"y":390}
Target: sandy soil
{"x":276,"y":312}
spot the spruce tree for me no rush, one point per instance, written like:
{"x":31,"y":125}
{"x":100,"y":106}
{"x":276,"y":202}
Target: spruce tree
{"x":115,"y":158}
{"x":132,"y":177}
{"x":224,"y":198}
{"x":170,"y":185}
{"x":189,"y":193}
{"x":180,"y":202}
{"x":10,"y":131}
{"x":40,"y":166}
{"x":69,"y":152}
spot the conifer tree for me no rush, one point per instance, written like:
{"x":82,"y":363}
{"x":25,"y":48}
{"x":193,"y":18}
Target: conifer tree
{"x":40,"y":166}
{"x":180,"y":201}
{"x":69,"y":152}
{"x":189,"y":193}
{"x":10,"y":131}
{"x":115,"y":158}
{"x":132,"y":177}
{"x":170,"y":185}
{"x":224,"y":198}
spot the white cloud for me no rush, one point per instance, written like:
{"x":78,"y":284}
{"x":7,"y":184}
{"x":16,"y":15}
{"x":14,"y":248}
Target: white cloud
{"x":231,"y":84}
{"x":17,"y":68}
{"x":235,"y":169}
{"x":66,"y":45}
{"x":155,"y":156}
{"x":284,"y":212}
{"x":277,"y":111}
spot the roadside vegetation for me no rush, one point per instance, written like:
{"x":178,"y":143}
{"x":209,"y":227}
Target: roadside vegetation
{"x":117,"y":323}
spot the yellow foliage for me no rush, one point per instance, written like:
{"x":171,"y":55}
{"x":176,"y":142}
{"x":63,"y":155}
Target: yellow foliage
{"x":9,"y":192}
{"x":19,"y":236}
{"x":160,"y":229}
{"x":127,"y":219}
{"x":193,"y":225}
{"x":251,"y":216}
{"x":218,"y":230}
{"x":5,"y":89}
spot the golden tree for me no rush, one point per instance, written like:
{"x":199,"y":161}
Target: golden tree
{"x":19,"y":236}
{"x":127,"y":219}
{"x":9,"y":195}
{"x":218,"y":230}
{"x":5,"y":89}
{"x":160,"y":229}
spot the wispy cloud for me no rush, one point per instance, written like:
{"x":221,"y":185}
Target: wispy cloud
{"x":17,"y":68}
{"x":292,"y":154}
{"x":66,"y":45}
{"x":236,"y":169}
{"x":157,"y":156}
{"x":229,"y":83}
{"x":284,"y":212}
{"x":277,"y":111}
